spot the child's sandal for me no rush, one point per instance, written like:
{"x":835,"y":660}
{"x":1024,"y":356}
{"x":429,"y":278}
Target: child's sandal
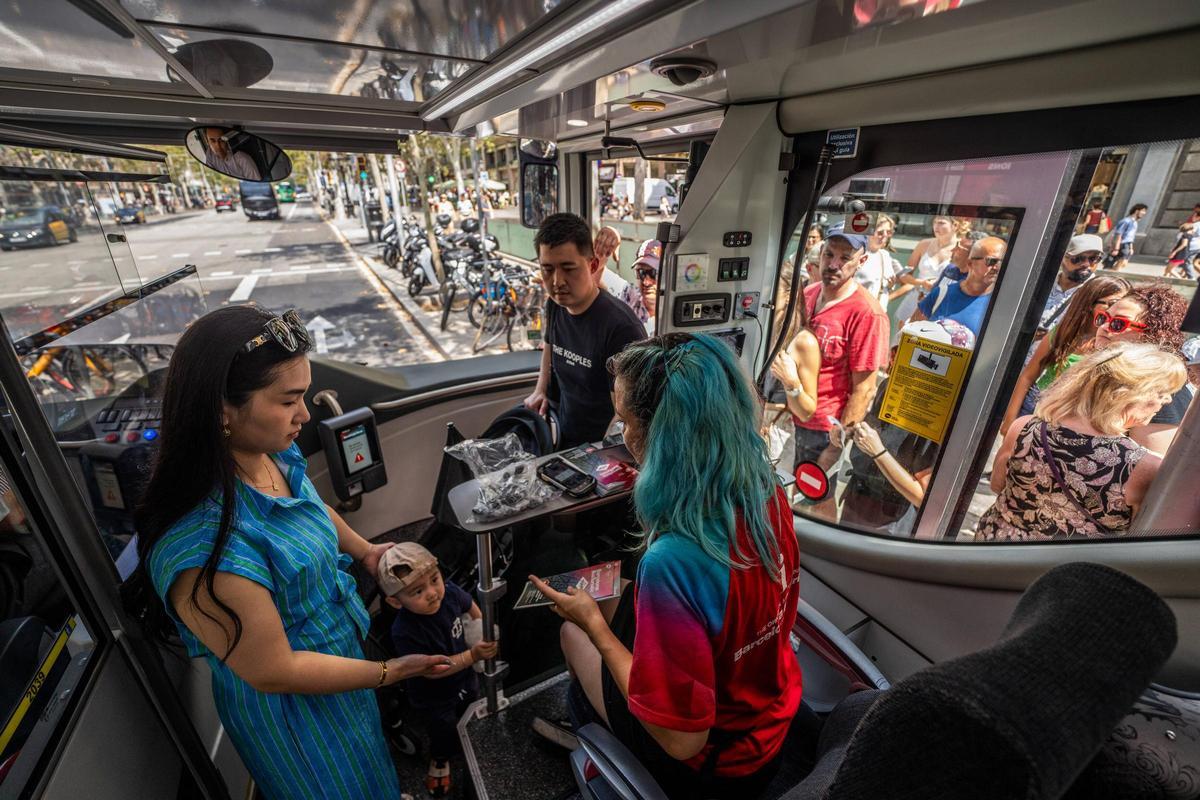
{"x":437,"y":780}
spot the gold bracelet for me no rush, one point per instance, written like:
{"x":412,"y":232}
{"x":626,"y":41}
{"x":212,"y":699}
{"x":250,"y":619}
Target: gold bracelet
{"x":382,"y":674}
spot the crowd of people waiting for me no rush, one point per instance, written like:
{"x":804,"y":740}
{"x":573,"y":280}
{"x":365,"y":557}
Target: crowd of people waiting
{"x":829,"y":379}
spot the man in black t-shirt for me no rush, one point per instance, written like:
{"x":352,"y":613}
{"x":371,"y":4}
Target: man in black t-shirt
{"x":584,"y":327}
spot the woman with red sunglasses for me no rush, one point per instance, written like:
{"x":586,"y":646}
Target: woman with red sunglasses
{"x":1149,"y":314}
{"x":1065,"y":344}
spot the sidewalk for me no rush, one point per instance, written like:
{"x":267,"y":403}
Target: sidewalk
{"x":424,"y":312}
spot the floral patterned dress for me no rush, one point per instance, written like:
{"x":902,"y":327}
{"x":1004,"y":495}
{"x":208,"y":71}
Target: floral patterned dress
{"x":1032,"y":506}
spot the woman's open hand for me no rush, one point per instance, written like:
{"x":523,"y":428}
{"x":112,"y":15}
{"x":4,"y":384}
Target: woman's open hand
{"x":370,"y":561}
{"x":606,"y":244}
{"x":575,"y":606}
{"x":415,"y":666}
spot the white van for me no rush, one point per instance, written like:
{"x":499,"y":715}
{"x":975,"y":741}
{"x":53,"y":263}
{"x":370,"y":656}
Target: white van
{"x":653,"y":190}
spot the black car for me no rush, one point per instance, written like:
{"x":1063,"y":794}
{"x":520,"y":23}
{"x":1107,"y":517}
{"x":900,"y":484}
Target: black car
{"x":35,"y":227}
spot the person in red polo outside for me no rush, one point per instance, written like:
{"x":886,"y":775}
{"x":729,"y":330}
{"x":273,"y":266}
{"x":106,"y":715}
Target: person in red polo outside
{"x":852,"y":331}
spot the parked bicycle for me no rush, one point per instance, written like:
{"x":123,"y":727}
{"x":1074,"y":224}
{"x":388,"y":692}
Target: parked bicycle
{"x":509,"y":305}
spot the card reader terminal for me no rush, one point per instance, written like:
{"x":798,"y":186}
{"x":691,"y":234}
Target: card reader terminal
{"x":352,"y":451}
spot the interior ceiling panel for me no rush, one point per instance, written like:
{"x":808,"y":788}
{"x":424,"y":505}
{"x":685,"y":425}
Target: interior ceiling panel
{"x":460,"y":29}
{"x":224,"y":61}
{"x":56,"y":38}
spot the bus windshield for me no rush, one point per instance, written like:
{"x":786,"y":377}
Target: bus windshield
{"x":255,"y":189}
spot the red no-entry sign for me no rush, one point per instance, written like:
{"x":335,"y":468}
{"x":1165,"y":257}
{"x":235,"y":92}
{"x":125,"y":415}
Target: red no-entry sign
{"x":811,"y":480}
{"x":860,"y":222}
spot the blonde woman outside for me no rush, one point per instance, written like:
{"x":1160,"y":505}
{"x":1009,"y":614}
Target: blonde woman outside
{"x":1070,"y":469}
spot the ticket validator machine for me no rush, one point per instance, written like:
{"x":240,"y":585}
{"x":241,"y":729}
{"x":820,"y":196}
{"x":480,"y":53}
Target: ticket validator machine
{"x":351,"y":444}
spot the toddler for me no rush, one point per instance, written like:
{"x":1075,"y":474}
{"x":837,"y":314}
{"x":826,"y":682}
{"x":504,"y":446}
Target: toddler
{"x":429,"y":619}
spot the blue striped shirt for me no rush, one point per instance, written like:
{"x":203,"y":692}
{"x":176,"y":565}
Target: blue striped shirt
{"x":295,"y":746}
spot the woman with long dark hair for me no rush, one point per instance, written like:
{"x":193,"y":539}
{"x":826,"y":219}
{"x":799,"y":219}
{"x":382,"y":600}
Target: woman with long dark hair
{"x":1066,"y":343}
{"x":250,"y":564}
{"x":705,"y":689}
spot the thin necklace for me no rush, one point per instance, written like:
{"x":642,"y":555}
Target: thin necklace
{"x":270,"y":477}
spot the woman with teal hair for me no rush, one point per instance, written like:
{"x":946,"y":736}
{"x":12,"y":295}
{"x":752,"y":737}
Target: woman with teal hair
{"x":695,"y":673}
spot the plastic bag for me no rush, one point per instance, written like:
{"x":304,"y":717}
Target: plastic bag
{"x":508,"y":481}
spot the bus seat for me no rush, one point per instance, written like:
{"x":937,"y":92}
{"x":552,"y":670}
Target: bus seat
{"x":604,"y":768}
{"x":1020,"y":719}
{"x":833,"y":666}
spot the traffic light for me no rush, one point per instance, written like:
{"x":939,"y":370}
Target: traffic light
{"x":361,"y":163}
{"x":431,"y":180}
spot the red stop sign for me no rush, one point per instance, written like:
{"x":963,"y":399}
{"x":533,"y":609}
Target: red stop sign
{"x":811,"y":480}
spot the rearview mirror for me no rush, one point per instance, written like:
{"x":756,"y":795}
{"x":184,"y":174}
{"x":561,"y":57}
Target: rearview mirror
{"x":238,"y":154}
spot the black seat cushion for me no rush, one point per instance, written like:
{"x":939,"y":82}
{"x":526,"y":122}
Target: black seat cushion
{"x":1022,"y":718}
{"x":1152,"y":754}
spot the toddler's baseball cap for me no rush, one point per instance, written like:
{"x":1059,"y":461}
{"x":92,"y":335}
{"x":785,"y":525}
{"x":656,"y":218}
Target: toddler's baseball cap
{"x":416,"y":558}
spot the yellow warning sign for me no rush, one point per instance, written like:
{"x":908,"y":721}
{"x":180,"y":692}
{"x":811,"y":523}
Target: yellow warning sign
{"x":924,"y":385}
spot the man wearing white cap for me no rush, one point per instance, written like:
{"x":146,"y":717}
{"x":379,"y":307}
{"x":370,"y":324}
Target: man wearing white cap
{"x":1084,"y":254}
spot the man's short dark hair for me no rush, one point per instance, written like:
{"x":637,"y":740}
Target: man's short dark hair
{"x":1137,"y":207}
{"x":564,"y":228}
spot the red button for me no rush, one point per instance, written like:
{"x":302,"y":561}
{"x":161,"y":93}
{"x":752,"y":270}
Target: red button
{"x":111,"y":438}
{"x":812,"y":481}
{"x":132,"y":436}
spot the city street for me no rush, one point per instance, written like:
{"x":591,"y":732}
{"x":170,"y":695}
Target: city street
{"x":298,"y":261}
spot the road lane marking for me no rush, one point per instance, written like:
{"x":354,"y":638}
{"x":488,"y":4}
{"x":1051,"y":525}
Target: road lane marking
{"x":212,"y":252}
{"x":300,"y":268}
{"x":180,"y":255}
{"x":243,"y":252}
{"x":243,"y":290}
{"x":225,"y":275}
{"x":264,"y":271}
{"x":146,"y":258}
{"x":273,"y":250}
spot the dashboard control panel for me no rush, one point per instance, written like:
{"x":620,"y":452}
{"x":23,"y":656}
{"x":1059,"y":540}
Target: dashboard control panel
{"x":733,"y":269}
{"x":129,"y":425}
{"x":701,"y":309}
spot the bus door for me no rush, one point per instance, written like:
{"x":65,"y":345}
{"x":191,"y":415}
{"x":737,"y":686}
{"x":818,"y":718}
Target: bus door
{"x":910,"y":557}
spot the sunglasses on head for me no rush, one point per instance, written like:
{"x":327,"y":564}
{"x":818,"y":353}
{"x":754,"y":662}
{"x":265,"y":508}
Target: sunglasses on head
{"x":991,"y":261}
{"x":1117,"y":324}
{"x":286,"y":330}
{"x":1092,"y":258}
